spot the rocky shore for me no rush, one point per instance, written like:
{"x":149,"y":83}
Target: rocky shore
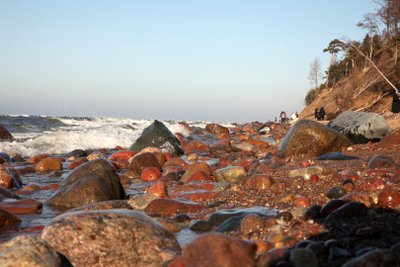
{"x":306,"y":194}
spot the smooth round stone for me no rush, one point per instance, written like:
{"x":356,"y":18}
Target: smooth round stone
{"x":346,"y":211}
{"x":381,"y":161}
{"x":313,"y":212}
{"x":389,"y":198}
{"x":140,"y":201}
{"x":252,"y":223}
{"x":336,"y":192}
{"x":301,"y":201}
{"x":307,"y":172}
{"x":150,"y":174}
{"x":301,"y":257}
{"x":258,"y":182}
{"x":286,"y":216}
{"x":229,"y":174}
{"x":201,"y":226}
{"x":331,"y":206}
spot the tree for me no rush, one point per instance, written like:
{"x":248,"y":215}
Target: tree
{"x":315,"y":73}
{"x":334,"y":47}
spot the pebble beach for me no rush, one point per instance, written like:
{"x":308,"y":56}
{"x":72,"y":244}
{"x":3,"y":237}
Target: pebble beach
{"x":248,"y":194}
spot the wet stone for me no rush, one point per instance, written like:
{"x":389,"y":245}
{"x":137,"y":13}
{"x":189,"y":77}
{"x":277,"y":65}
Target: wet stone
{"x":168,"y":207}
{"x":140,"y":201}
{"x":332,"y":205}
{"x":344,"y":212}
{"x":335,"y":156}
{"x":106,"y":238}
{"x":28,"y":251}
{"x":220,"y":216}
{"x":221,"y":250}
{"x":21,"y":206}
{"x":229,"y":174}
{"x":252,"y":223}
{"x":336,"y":192}
{"x":200,"y":226}
{"x":380,"y":162}
{"x":306,"y":172}
{"x":389,"y":198}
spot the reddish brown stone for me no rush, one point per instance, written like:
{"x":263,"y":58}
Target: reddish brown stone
{"x":219,"y":250}
{"x":200,"y":176}
{"x":143,"y":160}
{"x":195,"y":146}
{"x":168,"y":207}
{"x":21,"y":206}
{"x":194,"y":187}
{"x":6,"y":178}
{"x":197,"y":196}
{"x":198,"y":166}
{"x":49,"y":164}
{"x":176,"y":161}
{"x":150,"y":174}
{"x":5,"y":135}
{"x":37,"y":158}
{"x":216,"y":129}
{"x":389,"y":198}
{"x":301,"y":201}
{"x":50,"y":187}
{"x":177,"y":262}
{"x":22,"y":170}
{"x":77,"y":162}
{"x":7,"y":219}
{"x":258,"y":182}
{"x":122,"y":155}
{"x":159,"y":189}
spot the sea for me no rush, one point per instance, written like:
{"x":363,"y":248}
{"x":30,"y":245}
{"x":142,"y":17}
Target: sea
{"x":35,"y":135}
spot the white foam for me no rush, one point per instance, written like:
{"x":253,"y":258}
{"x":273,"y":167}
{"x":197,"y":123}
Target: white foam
{"x":83,"y":134}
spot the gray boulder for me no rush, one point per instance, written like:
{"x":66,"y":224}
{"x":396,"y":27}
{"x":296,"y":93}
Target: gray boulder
{"x":93,"y":181}
{"x":158,"y":135}
{"x":311,"y":138}
{"x":28,"y":251}
{"x":111,"y":238}
{"x":360,"y":127}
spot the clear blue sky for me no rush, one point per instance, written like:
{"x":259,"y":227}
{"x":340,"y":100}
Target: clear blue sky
{"x":216,"y":60}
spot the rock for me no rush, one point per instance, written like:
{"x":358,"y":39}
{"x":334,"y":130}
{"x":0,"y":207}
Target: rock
{"x":167,"y":207}
{"x":105,"y":205}
{"x":200,"y":176}
{"x":9,"y":179}
{"x":122,"y":155}
{"x":150,"y":174}
{"x":360,"y":127}
{"x":306,"y":172}
{"x":21,"y":206}
{"x":389,"y":198}
{"x":344,"y":212}
{"x":200,"y":226}
{"x":196,"y":146}
{"x":230,"y":225}
{"x":77,"y":162}
{"x":380,"y":162}
{"x":335,"y":156}
{"x":252,"y":223}
{"x":158,"y":135}
{"x":218,"y":250}
{"x":229,"y":174}
{"x":111,"y":238}
{"x":77,"y":153}
{"x":375,"y":258}
{"x":140,"y":201}
{"x":159,"y":189}
{"x":336,"y":192}
{"x":301,"y":257}
{"x":258,"y":182}
{"x":216,"y":129}
{"x":5,"y":193}
{"x":28,"y":251}
{"x":5,"y":135}
{"x":311,"y":138}
{"x":4,"y":157}
{"x":37,"y":158}
{"x":195,"y":167}
{"x":7,"y":219}
{"x":141,"y":161}
{"x":220,"y":216}
{"x":331,"y":206}
{"x":49,"y":164}
{"x":94,"y":181}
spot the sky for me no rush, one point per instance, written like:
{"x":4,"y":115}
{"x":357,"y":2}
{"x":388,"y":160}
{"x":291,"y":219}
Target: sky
{"x":212,"y":60}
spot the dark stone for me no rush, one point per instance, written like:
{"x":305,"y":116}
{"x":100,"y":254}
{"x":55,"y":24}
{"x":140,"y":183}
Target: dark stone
{"x":232,"y":224}
{"x":158,"y":135}
{"x":346,"y":211}
{"x":335,"y":156}
{"x":4,"y":157}
{"x":5,"y":135}
{"x":381,"y":161}
{"x":360,"y":127}
{"x":93,"y":181}
{"x":221,"y":216}
{"x":375,"y":258}
{"x":331,"y":206}
{"x":311,"y":138}
{"x":141,"y":161}
{"x":200,"y":226}
{"x":336,"y":192}
{"x":78,"y":153}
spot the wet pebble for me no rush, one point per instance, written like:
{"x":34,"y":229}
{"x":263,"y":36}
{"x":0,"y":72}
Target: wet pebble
{"x":252,"y":223}
{"x":381,"y":161}
{"x":258,"y":182}
{"x":389,"y":198}
{"x":200,"y":226}
{"x":150,"y":174}
{"x":336,"y":192}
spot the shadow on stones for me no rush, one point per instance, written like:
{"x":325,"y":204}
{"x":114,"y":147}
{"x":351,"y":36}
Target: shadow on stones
{"x":355,"y":236}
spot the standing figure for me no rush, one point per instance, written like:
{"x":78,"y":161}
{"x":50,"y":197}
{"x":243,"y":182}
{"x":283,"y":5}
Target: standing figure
{"x":321,"y":114}
{"x":316,"y":113}
{"x":283,"y":117}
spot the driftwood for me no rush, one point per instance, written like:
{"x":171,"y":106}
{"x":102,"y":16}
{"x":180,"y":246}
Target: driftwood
{"x":380,"y":96}
{"x":365,"y":87}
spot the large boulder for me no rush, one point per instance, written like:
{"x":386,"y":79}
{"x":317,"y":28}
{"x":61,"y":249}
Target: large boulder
{"x":360,"y":127}
{"x":28,"y":251}
{"x":5,"y":135}
{"x":91,"y":182}
{"x":311,"y":138}
{"x":158,"y":135}
{"x":111,"y":238}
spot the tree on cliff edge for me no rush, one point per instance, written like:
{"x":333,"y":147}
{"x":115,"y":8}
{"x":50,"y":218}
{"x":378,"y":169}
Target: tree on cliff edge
{"x":334,"y":47}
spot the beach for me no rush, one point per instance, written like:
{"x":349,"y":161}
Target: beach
{"x":123,"y":192}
